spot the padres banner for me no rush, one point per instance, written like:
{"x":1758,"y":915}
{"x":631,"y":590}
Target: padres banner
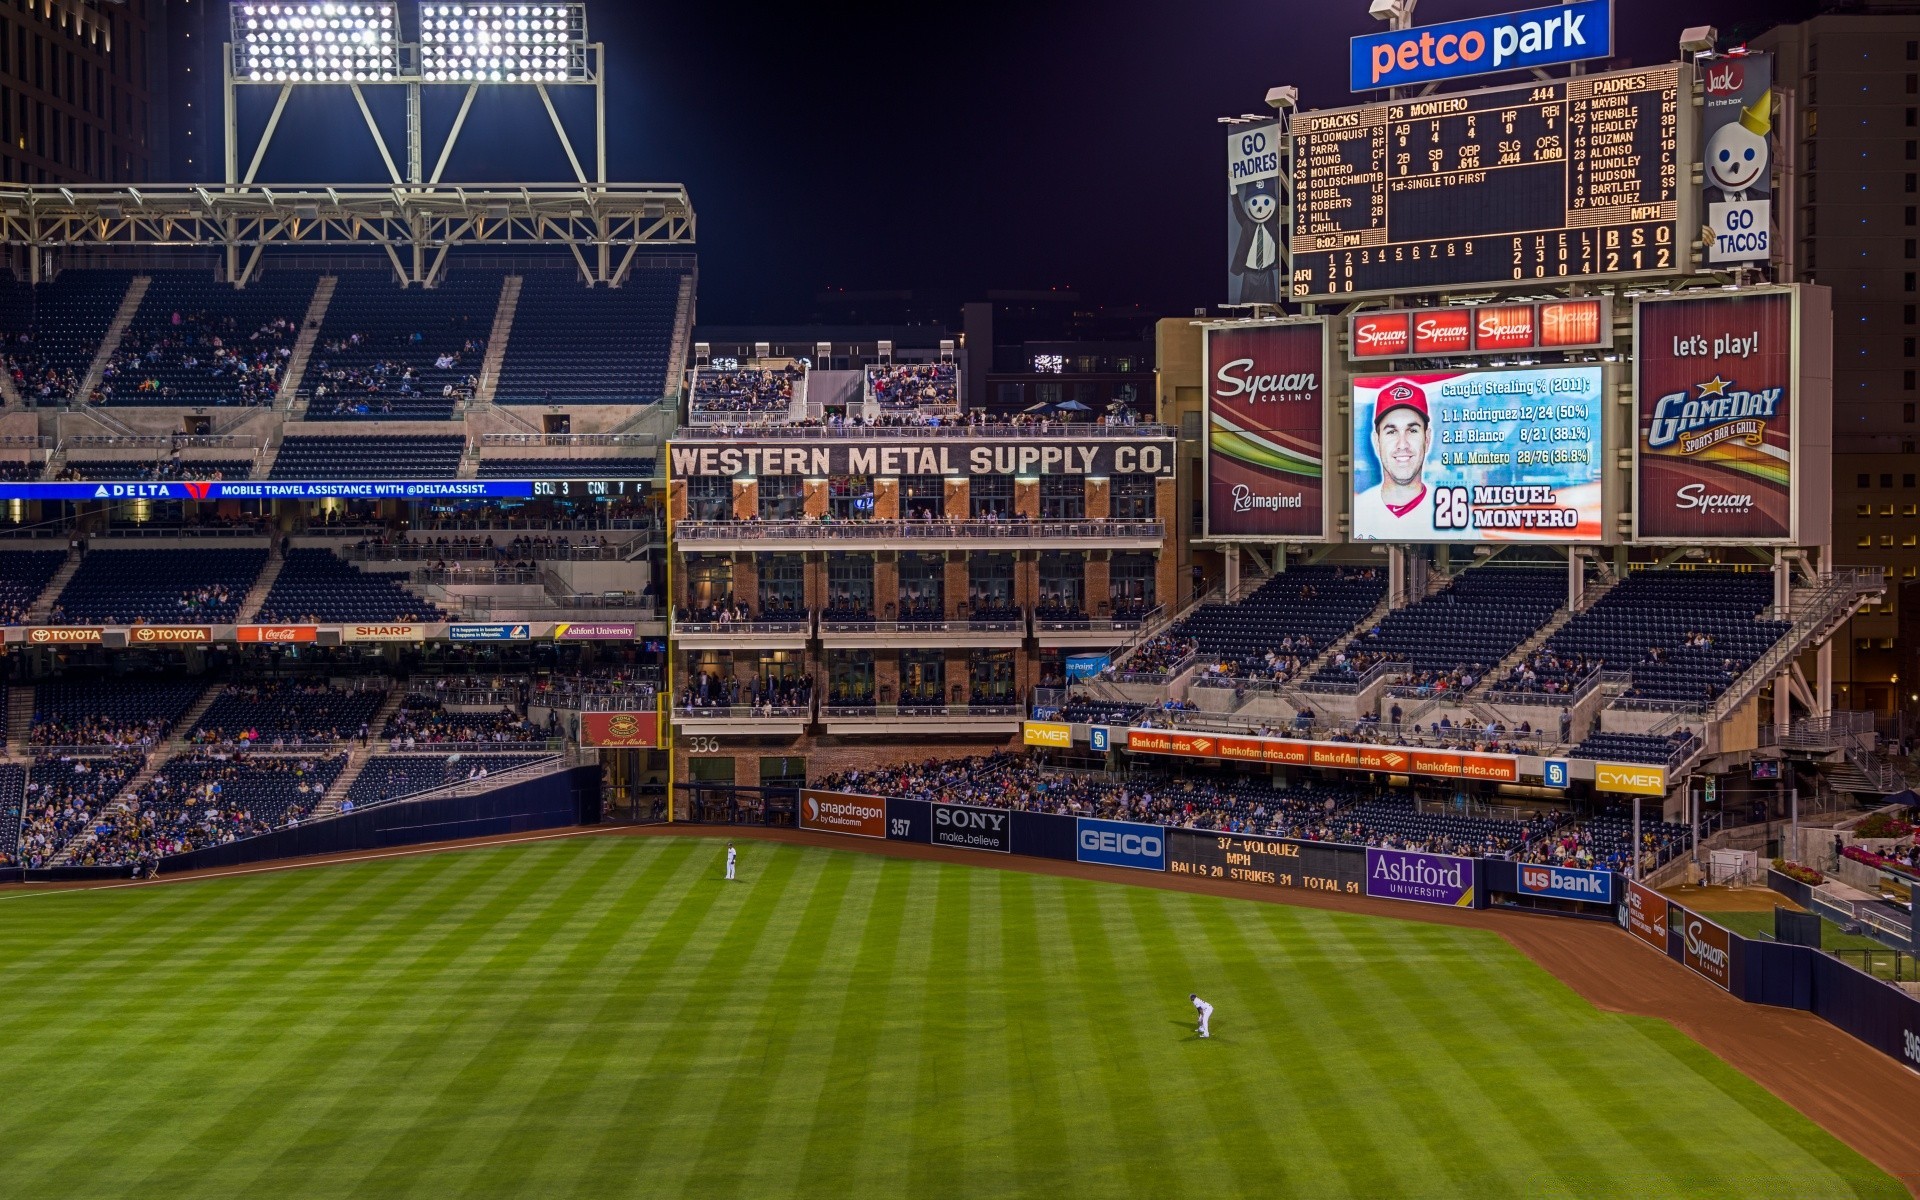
{"x":619,"y":729}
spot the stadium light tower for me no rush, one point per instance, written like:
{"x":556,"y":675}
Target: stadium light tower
{"x":296,"y":44}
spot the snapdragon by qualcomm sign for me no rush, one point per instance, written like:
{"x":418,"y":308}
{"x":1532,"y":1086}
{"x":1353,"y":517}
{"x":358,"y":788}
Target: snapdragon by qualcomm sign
{"x":1566,"y":883}
{"x":1539,"y":37}
{"x":1422,"y":878}
{"x":1121,"y":844}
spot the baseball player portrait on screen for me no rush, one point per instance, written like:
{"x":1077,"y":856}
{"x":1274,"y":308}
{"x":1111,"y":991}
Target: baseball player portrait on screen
{"x":1478,"y":456}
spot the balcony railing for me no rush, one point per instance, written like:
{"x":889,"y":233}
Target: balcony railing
{"x":161,"y":441}
{"x":1050,"y":429}
{"x":561,"y":441}
{"x":686,"y":628}
{"x":427,"y":553}
{"x":1357,"y":683}
{"x":842,"y":712}
{"x":931,"y":531}
{"x":744,"y":712}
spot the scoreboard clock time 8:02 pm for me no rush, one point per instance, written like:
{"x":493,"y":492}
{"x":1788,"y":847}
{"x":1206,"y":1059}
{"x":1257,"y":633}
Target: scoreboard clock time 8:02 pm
{"x":1573,"y":179}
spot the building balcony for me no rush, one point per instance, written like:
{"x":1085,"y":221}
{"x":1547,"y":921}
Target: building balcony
{"x":744,"y":720}
{"x":840,"y":633}
{"x":1069,"y":632}
{"x":917,"y":535}
{"x":728,"y":635}
{"x":922,"y":720}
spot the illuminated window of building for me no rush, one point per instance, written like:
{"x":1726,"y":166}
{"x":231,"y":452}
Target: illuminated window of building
{"x":1863,"y":510}
{"x":1866,"y":539}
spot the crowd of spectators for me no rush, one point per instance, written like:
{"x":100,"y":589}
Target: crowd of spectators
{"x":205,"y":800}
{"x":158,"y":470}
{"x":200,"y":346}
{"x":287,"y":713}
{"x":1157,"y":655}
{"x":424,"y":721}
{"x":623,"y":683}
{"x":746,"y":390}
{"x":63,"y":795}
{"x":1546,"y":673}
{"x":915,"y":385}
{"x":38,"y":380}
{"x":363,"y":389}
{"x":707,"y":690}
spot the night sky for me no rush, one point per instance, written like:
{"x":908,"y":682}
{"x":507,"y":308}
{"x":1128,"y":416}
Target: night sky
{"x":1051,"y":143}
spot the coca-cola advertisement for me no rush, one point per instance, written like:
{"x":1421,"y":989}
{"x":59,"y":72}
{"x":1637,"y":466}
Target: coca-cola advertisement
{"x":1716,"y":395}
{"x":1266,"y":429}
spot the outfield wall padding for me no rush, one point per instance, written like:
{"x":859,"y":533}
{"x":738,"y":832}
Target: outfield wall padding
{"x":549,"y":802}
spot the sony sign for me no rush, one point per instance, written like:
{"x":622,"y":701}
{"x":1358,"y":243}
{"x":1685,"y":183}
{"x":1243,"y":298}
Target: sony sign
{"x":972,"y":828}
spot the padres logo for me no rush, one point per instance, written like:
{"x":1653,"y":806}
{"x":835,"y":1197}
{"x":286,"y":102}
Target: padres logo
{"x":624,"y":725}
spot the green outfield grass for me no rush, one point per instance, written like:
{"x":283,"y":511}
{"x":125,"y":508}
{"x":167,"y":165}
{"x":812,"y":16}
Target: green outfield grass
{"x":605,"y":1017}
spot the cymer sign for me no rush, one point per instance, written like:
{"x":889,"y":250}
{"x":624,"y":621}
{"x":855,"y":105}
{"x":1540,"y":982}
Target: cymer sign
{"x":1539,"y":37}
{"x":1570,"y":179}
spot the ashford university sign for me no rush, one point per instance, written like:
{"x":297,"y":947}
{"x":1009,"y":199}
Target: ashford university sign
{"x":980,"y":455}
{"x":1419,"y":877}
{"x":843,"y":812}
{"x":1584,"y":324}
{"x":1266,"y":418}
{"x":1337,"y":756}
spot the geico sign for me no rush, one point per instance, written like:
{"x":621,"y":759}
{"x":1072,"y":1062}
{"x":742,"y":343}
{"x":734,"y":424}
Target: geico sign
{"x":968,"y":818}
{"x":1133,"y":845}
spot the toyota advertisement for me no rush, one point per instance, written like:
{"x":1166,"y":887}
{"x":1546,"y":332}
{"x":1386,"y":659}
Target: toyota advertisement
{"x":1266,"y":430}
{"x":1716,"y":397}
{"x":1479,"y":456}
{"x":1419,"y":877}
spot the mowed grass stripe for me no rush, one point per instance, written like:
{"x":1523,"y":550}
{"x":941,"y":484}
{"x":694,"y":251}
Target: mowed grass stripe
{"x":607,"y":1018}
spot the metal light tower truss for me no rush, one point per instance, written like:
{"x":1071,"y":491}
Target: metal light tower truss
{"x":603,"y":226}
{"x":308,"y":54}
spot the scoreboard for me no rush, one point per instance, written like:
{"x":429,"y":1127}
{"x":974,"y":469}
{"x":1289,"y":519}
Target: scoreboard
{"x":1276,"y":862}
{"x":1570,"y":179}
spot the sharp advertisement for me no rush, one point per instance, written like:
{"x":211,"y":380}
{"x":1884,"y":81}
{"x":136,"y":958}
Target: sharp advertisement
{"x":1266,"y":430}
{"x":1736,"y":129}
{"x":1716,"y":395}
{"x":1253,"y":214}
{"x":1479,"y":456}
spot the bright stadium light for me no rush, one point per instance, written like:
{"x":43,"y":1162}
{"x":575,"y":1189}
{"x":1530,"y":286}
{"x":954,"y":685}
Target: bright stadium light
{"x":315,"y":41}
{"x":503,"y":43}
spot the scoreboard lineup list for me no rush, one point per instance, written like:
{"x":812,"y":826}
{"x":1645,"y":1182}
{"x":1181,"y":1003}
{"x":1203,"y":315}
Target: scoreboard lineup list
{"x":1548,"y":181}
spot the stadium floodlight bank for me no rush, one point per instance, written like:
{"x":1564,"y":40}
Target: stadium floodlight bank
{"x":316,"y":42}
{"x":503,"y":43}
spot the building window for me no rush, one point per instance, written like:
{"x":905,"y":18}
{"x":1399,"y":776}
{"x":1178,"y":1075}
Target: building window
{"x":709,"y":498}
{"x":1012,"y":396}
{"x":990,"y":588}
{"x":1907,"y":480}
{"x":1886,"y":479}
{"x":990,"y":496}
{"x":782,"y":498}
{"x":1863,"y":510}
{"x":783,"y":587}
{"x":1133,"y":497}
{"x":1063,"y":586}
{"x":1863,"y":481}
{"x":709,"y":585}
{"x":990,"y":675}
{"x":923,"y":678}
{"x":1907,"y":347}
{"x":923,"y":497}
{"x":1907,"y":379}
{"x":1906,"y":415}
{"x":1910,"y":312}
{"x":849,"y":587}
{"x":1063,"y":498}
{"x":850,"y":678}
{"x":1131,"y":578}
{"x":1913,"y":214}
{"x":850,"y":497}
{"x":923,"y":588}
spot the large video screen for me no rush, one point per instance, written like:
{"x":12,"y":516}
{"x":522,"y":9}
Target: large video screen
{"x":1478,"y":456}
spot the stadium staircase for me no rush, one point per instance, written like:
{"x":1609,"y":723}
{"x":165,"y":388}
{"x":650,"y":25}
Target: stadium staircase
{"x":43,"y":607}
{"x":10,"y":395}
{"x":357,"y":760}
{"x":1818,"y":611}
{"x":303,"y":345}
{"x":19,"y":718}
{"x":263,"y":586}
{"x":497,"y":339}
{"x":110,"y":343}
{"x":682,"y":343}
{"x":1590,"y":597}
{"x":159,"y":756}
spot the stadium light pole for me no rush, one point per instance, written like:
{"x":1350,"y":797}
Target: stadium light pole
{"x":303,"y":44}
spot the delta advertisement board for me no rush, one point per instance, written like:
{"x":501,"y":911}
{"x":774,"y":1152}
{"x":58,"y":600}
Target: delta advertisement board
{"x":1580,"y":324}
{"x":1420,"y":877}
{"x":1718,"y":417}
{"x":630,"y":730}
{"x":1515,"y":41}
{"x":843,"y":812}
{"x":1479,"y":456}
{"x":1267,"y":432}
{"x":1337,"y":756}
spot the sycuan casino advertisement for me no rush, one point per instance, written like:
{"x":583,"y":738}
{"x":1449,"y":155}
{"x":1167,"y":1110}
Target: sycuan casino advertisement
{"x":1714,"y":451}
{"x":1266,"y":430}
{"x":1478,"y":456}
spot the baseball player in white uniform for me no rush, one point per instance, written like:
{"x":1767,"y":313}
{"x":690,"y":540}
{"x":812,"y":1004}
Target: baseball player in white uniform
{"x":1206,"y":1014}
{"x":732,"y":854}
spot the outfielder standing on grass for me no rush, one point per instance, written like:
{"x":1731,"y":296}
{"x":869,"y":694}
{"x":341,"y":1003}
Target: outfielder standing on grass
{"x":731,"y":855}
{"x":1206,"y":1014}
